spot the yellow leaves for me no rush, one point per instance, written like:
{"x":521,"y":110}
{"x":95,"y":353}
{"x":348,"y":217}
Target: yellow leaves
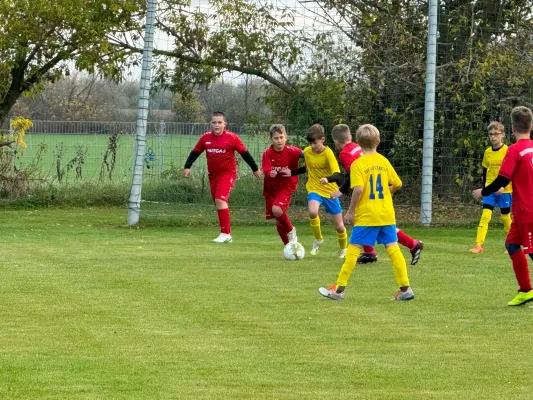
{"x":19,"y":126}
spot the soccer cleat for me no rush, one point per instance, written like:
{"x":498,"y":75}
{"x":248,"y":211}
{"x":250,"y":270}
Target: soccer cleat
{"x":223,"y":238}
{"x":331,"y":293}
{"x":292,"y":236}
{"x":342,"y":253}
{"x":521,"y":298}
{"x":415,"y":252}
{"x":477,"y":249}
{"x":367,"y":258}
{"x":404,"y":296}
{"x":316,"y":245}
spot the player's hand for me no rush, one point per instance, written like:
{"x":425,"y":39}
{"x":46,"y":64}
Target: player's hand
{"x":335,"y":195}
{"x":258,"y":173}
{"x":476,"y":193}
{"x":348,"y":218}
{"x":285,"y":172}
{"x":500,"y":191}
{"x":273,"y":174}
{"x":186,"y":172}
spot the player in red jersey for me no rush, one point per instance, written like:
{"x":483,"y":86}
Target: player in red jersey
{"x":517,"y":167}
{"x":278,"y":189}
{"x":349,"y":152}
{"x":220,"y":146}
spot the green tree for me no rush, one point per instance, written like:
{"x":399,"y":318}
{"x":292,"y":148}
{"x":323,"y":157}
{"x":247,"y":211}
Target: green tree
{"x":41,"y":39}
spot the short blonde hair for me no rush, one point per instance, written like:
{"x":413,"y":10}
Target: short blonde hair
{"x":497,"y":126}
{"x":522,"y":118}
{"x":367,"y":136}
{"x":277,"y":128}
{"x":341,"y":133}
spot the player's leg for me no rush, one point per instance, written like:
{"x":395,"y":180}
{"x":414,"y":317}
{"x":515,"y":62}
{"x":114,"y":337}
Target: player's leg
{"x":283,"y":224}
{"x":282,"y":202}
{"x":220,"y":191}
{"x":361,"y":235}
{"x":515,"y":238}
{"x":333,"y":207}
{"x":488,"y":205}
{"x":387,"y":236}
{"x":313,"y":204}
{"x":505,"y":202}
{"x":415,"y":246}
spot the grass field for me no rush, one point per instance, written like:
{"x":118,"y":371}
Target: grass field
{"x":91,"y":309}
{"x":167,"y":151}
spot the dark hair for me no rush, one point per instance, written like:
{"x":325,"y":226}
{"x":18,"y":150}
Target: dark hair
{"x":315,"y":132}
{"x":218,"y":114}
{"x":522,"y":118}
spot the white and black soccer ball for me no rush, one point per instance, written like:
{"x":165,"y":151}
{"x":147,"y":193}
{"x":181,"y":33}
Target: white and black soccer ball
{"x":293,"y":252}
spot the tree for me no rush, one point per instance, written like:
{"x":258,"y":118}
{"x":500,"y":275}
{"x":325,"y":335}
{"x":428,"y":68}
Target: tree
{"x":41,"y":40}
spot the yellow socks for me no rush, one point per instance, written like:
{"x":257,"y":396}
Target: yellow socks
{"x":484,"y":225}
{"x":315,"y":226}
{"x":399,"y":267}
{"x":343,"y":239}
{"x":506,"y":219}
{"x":352,"y":254}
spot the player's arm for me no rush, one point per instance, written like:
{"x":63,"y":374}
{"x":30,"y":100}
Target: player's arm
{"x":495,"y":185}
{"x":484,"y":177}
{"x":193,"y":156}
{"x":266,"y":166}
{"x":247,"y":157}
{"x":356,"y":196}
{"x":395,"y":183}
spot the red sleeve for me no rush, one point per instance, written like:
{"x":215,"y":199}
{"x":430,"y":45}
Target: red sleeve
{"x":200,"y":145}
{"x":346,"y":160}
{"x":238,"y":145}
{"x":509,"y":163}
{"x":266,"y":166}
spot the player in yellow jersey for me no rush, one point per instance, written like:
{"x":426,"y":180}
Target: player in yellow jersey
{"x":320,"y":162}
{"x":373,"y":180}
{"x":492,"y":160}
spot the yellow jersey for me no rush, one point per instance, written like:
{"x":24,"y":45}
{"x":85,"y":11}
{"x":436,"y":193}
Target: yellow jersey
{"x":492,"y":161}
{"x":320,"y":166}
{"x":374,"y":173}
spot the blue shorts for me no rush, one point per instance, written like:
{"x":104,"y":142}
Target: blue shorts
{"x":332,"y":206}
{"x":369,"y":235}
{"x":501,"y":200}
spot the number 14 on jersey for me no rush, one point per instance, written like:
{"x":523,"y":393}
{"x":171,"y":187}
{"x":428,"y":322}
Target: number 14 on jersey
{"x":378,"y":189}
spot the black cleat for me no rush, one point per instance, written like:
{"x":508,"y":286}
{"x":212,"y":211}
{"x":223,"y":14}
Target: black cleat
{"x":415,"y":252}
{"x":367,"y":258}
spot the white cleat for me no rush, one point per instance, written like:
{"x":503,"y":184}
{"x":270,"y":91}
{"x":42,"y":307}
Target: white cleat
{"x":316,"y":245}
{"x":292,"y":236}
{"x":223,"y":238}
{"x":342,"y":253}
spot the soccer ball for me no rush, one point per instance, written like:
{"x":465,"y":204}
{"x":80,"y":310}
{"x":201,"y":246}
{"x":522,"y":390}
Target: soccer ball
{"x":293,"y":252}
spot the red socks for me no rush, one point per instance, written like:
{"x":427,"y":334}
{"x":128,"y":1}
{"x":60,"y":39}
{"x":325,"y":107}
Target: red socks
{"x":224,"y":220}
{"x":405,"y":240}
{"x":369,"y":250}
{"x":284,"y":226}
{"x":521,"y":270}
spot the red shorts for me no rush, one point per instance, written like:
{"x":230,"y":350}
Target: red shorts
{"x":521,"y":234}
{"x":221,"y":186}
{"x":282,"y":199}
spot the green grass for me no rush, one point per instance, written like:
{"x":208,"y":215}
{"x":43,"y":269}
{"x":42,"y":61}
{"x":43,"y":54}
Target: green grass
{"x":91,"y":309}
{"x":168,"y":150}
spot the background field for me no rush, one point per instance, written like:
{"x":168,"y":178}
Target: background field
{"x":167,"y":151}
{"x":94,"y":310}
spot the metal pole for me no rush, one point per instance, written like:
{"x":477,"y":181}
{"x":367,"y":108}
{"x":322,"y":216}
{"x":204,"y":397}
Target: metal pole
{"x":429,"y":117}
{"x":142,"y":115}
{"x":162,"y":132}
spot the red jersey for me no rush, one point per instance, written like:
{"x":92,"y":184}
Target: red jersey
{"x":351,"y":152}
{"x":517,"y":166}
{"x":220,"y":151}
{"x":274,"y":160}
